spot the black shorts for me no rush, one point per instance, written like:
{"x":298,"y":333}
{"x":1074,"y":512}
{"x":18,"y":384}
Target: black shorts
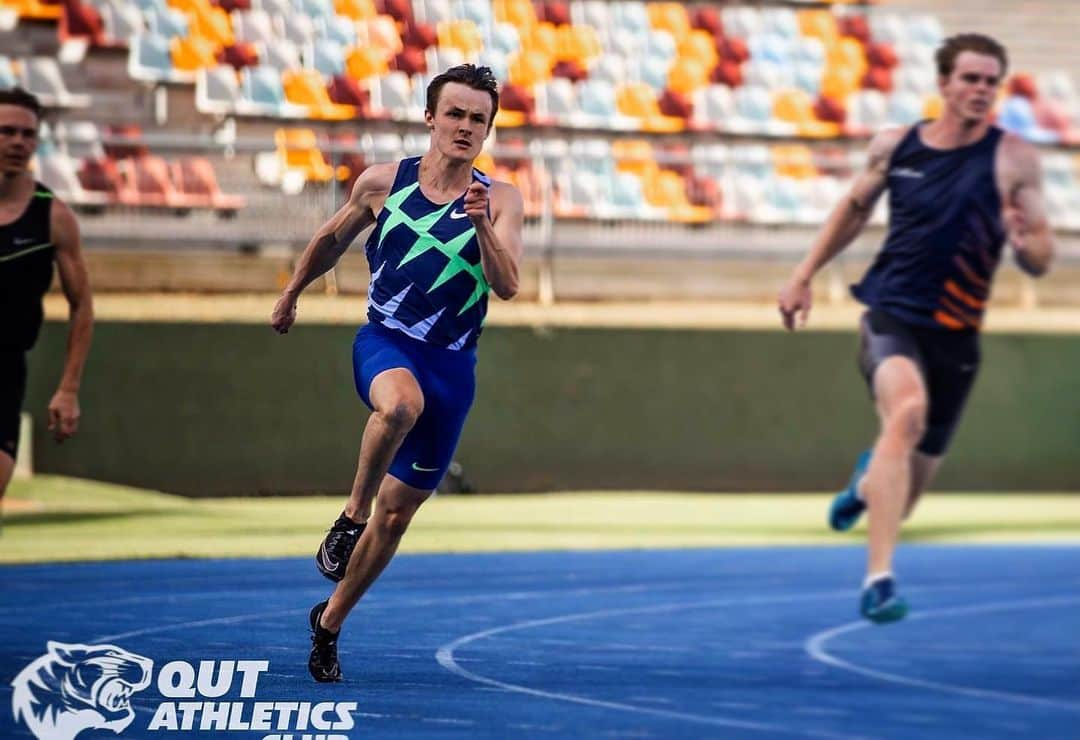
{"x":948,"y":361}
{"x":12,"y":391}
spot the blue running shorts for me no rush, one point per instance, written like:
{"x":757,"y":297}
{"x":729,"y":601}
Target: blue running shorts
{"x":447,"y":378}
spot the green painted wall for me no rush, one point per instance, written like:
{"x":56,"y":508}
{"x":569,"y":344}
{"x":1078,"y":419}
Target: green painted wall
{"x":214,"y":409}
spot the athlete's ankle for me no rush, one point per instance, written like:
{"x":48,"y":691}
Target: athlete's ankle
{"x":875,"y":576}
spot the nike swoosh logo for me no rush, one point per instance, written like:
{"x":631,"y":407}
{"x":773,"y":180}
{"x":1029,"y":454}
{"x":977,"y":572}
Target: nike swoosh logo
{"x":423,"y":470}
{"x":457,"y":214}
{"x":328,"y":562}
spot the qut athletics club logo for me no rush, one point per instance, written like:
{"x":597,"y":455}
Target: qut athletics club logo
{"x":79,"y":687}
{"x":82,"y":687}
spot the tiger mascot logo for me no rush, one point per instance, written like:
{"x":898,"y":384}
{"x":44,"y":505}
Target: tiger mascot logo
{"x":79,"y":687}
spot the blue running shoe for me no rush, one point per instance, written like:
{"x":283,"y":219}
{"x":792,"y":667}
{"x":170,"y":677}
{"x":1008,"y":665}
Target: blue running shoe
{"x":847,"y":507}
{"x":880,"y":603}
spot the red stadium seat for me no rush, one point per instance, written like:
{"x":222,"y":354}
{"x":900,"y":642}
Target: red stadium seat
{"x":196,"y":179}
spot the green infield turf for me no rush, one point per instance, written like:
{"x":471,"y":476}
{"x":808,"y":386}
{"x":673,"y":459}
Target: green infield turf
{"x":61,"y":519}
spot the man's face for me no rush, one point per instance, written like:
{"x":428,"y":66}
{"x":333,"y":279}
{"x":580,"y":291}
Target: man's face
{"x":460,"y":123}
{"x":969,"y":92}
{"x":18,"y":139}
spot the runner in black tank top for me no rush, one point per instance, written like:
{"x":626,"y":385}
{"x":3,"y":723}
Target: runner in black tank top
{"x":36,"y":231}
{"x":959,"y":188}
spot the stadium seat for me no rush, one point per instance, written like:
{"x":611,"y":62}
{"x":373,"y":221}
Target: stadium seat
{"x":297,"y":151}
{"x":41,"y":76}
{"x":327,"y":57}
{"x":392,"y":94}
{"x":80,"y":139}
{"x":281,"y":54}
{"x":305,"y":87}
{"x":217,"y":90}
{"x":8,"y":78}
{"x":195,"y":178}
{"x":254,"y":26}
{"x":166,"y":22}
{"x":363,"y":63}
{"x":60,"y":173}
{"x":337,"y":29}
{"x":147,"y":182}
{"x":192,"y":54}
{"x":262,"y":94}
{"x":101,"y":177}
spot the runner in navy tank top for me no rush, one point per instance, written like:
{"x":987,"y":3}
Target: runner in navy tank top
{"x":959,"y":189}
{"x":36,"y":231}
{"x":445,"y":234}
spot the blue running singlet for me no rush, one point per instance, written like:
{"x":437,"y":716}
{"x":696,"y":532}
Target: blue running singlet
{"x":426,"y":278}
{"x":945,"y":235}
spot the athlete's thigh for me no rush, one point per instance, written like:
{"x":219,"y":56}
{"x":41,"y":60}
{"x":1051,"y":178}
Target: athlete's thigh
{"x":449,"y":386}
{"x":952,"y":366}
{"x":899,"y":383}
{"x":891,"y":362}
{"x":385,"y":374}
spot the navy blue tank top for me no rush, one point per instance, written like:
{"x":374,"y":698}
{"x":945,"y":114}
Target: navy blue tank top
{"x":426,"y":277}
{"x":26,"y":270}
{"x":945,"y":235}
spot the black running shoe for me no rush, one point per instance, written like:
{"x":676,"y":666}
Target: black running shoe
{"x":333,"y":556}
{"x":323,"y":662}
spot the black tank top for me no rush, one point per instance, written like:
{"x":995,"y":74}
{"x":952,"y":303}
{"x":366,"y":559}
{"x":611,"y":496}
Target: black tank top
{"x":26,"y":270}
{"x":945,"y":235}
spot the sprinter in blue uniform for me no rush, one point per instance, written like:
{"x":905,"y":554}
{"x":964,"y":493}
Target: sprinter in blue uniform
{"x":445,"y":234}
{"x":959,"y":188}
{"x":37,"y":230}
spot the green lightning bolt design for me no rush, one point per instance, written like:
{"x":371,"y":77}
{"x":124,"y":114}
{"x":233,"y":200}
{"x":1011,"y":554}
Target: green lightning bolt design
{"x":426,"y":242}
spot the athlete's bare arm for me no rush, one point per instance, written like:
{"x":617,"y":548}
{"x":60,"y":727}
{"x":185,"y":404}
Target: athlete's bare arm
{"x":841,"y":227}
{"x":500,"y":236}
{"x":334,"y":237}
{"x":1019,"y":174}
{"x":64,"y":407}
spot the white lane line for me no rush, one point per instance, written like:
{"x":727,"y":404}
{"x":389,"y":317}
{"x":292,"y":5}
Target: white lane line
{"x":384,"y":602}
{"x":445,"y":656}
{"x":815,"y":647}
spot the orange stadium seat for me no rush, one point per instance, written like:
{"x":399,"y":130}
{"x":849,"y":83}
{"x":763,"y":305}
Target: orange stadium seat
{"x":306,"y":87}
{"x":818,"y":24}
{"x":37,"y":10}
{"x":794,"y":160}
{"x":797,"y":107}
{"x":298,"y":149}
{"x":528,"y":68}
{"x":365,"y":62}
{"x":461,"y":34}
{"x":670,"y":17}
{"x":639,"y":101}
{"x":580,"y":44}
{"x":356,"y":9}
{"x":193,"y":53}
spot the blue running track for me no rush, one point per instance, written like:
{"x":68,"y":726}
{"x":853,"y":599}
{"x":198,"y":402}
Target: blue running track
{"x":724,"y":643}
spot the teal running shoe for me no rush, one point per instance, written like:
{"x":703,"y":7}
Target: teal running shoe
{"x":847,"y":507}
{"x":880,"y":602}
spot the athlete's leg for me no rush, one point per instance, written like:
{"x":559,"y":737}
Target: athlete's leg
{"x":7,"y":469}
{"x":397,"y":402}
{"x":924,"y":469}
{"x":902,"y":407}
{"x":394,"y":511}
